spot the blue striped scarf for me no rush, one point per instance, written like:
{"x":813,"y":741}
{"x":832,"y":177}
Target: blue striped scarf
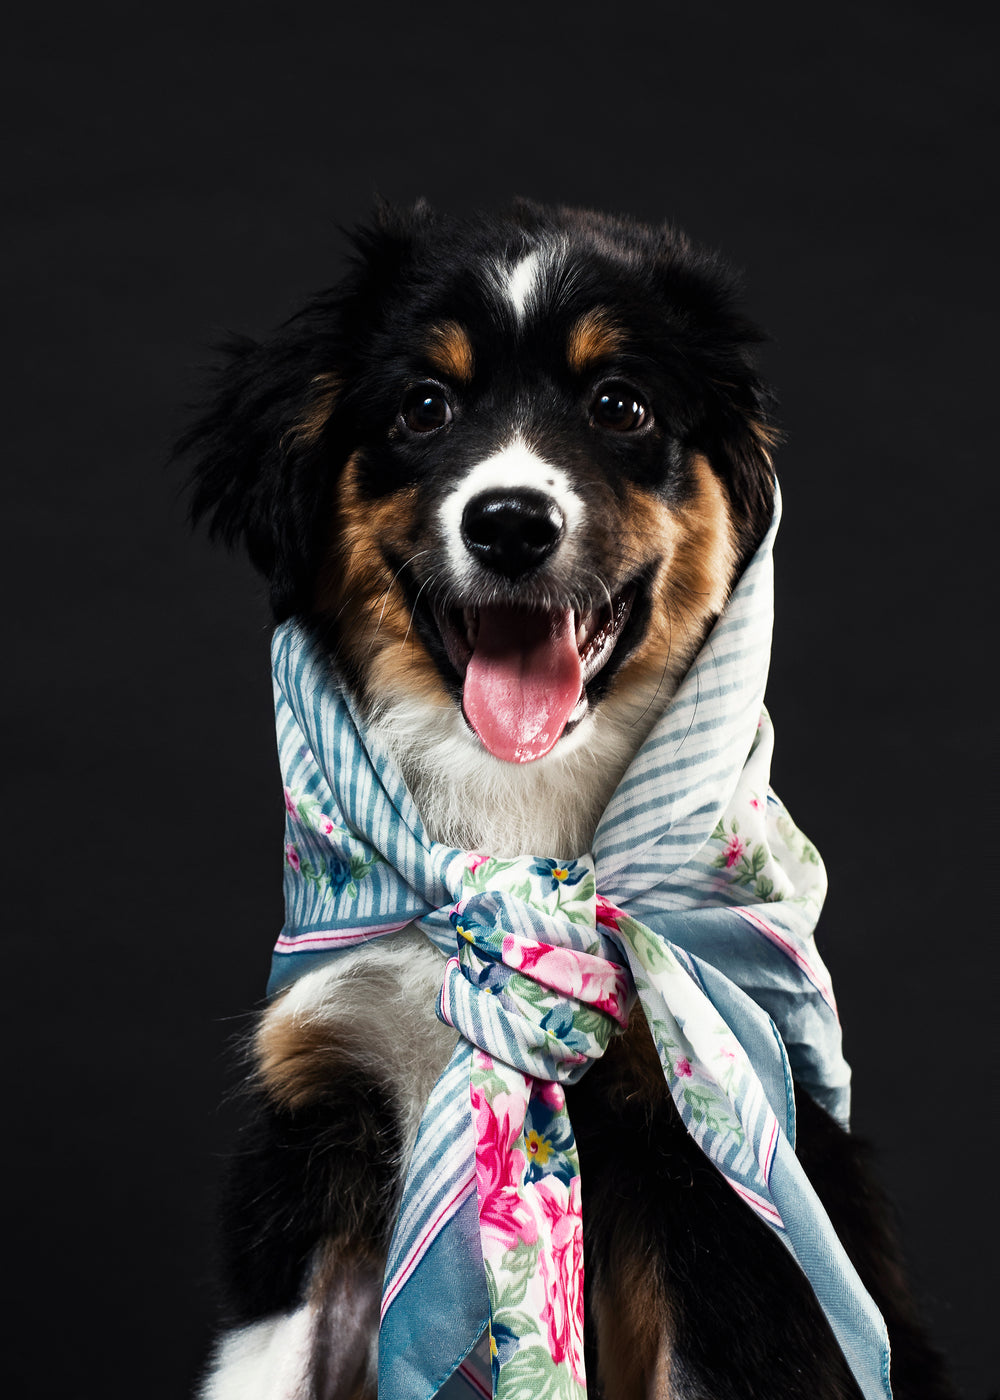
{"x":699,"y":887}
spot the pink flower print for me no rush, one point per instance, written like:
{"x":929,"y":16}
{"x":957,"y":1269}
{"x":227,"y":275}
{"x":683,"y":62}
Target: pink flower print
{"x":290,"y":806}
{"x":683,"y":1067}
{"x":326,"y":825}
{"x":755,"y":804}
{"x":582,"y":976}
{"x":505,"y":1220}
{"x":561,"y":1266}
{"x":552,"y":1093}
{"x":292,"y":857}
{"x":734,"y":850}
{"x":607,"y":914}
{"x":474,"y":860}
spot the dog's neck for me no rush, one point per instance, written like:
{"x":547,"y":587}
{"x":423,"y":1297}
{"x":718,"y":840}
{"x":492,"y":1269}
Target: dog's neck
{"x":471,"y":800}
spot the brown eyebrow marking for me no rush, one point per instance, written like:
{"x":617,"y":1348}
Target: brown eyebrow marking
{"x":450,"y":350}
{"x":594,"y":336}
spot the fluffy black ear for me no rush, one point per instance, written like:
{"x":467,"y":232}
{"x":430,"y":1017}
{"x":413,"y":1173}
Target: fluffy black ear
{"x":262,"y":454}
{"x":739,"y":437}
{"x":735,"y":428}
{"x":266,"y":451}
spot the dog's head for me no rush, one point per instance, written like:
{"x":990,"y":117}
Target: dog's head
{"x":512,"y":465}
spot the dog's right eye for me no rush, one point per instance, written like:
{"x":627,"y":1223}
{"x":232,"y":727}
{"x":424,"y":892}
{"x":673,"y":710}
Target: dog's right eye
{"x":619,"y":408}
{"x":425,"y":409}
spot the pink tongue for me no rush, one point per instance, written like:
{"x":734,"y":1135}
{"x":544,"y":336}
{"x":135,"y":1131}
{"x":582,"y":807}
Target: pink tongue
{"x":523,"y":681}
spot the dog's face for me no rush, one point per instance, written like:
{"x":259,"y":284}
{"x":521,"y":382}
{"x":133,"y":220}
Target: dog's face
{"x":511,"y":467}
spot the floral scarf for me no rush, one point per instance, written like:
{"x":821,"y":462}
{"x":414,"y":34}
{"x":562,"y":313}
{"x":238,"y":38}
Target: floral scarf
{"x":699,"y":899}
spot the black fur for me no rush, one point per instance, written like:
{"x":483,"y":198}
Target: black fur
{"x":266,"y":456}
{"x":293,"y":1185}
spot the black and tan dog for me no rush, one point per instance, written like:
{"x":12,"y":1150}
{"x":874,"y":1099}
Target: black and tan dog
{"x":508,"y":473}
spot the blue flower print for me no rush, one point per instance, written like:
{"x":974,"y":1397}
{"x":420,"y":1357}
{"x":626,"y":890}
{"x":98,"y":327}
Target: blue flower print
{"x":338,"y":874}
{"x":503,"y":1344}
{"x":555,"y":874}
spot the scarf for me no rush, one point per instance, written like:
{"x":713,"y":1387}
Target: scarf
{"x":699,"y":899}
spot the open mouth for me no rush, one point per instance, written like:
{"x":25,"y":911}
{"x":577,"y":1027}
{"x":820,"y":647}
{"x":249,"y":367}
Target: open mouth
{"x":525,"y":672}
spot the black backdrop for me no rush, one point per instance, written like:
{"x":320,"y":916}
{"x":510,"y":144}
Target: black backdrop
{"x":177,"y":171}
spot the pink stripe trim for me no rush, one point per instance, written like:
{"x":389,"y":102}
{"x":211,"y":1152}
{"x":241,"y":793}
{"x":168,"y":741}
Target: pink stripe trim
{"x":769,"y":1151}
{"x":340,"y":938}
{"x":790,"y":951}
{"x":441,"y":1008}
{"x":464,"y":1188}
{"x":470,"y":1378}
{"x":757,"y":1203}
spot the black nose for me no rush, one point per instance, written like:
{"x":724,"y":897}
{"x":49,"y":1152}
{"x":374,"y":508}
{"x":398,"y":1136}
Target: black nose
{"x":511,"y":531}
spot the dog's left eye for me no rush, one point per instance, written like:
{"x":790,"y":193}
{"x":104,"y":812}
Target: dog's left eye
{"x":618,"y":407}
{"x":425,"y":409}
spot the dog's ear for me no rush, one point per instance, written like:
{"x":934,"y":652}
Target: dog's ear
{"x":263,"y":462}
{"x":739,"y":437}
{"x":735,"y":425}
{"x":267,"y":449}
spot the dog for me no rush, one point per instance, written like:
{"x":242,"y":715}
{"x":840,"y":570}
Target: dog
{"x":507,"y":474}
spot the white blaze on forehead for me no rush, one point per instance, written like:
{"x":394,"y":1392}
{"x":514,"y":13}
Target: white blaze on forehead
{"x":522,"y":283}
{"x":543,"y":271}
{"x":514,"y":467}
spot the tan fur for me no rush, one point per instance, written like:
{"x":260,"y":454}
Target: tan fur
{"x":450,"y":350}
{"x":631,"y":1317}
{"x":698,"y":559}
{"x":307,"y":431}
{"x":767,"y":438}
{"x":593,"y":338}
{"x":294,"y":1060}
{"x":334,"y":1018}
{"x":355,"y":588}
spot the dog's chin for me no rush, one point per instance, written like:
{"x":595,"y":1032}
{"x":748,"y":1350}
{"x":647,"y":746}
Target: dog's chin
{"x":469,"y":798}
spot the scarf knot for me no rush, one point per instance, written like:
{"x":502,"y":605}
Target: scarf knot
{"x":709,"y":898}
{"x":534,"y":983}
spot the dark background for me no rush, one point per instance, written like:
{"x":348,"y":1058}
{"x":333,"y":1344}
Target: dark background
{"x":178,"y":171}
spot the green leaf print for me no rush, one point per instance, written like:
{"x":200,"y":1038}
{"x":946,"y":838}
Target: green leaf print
{"x":485,"y":874}
{"x":519,"y":1268}
{"x":360,"y":867}
{"x":531,"y":1374}
{"x":648,"y":948}
{"x":705,"y":1110}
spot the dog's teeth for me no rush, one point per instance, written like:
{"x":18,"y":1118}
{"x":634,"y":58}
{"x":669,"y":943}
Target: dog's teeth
{"x":587,"y":627}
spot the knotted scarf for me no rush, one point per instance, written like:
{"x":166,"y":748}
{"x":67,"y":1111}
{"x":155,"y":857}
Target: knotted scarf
{"x":699,"y":898}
